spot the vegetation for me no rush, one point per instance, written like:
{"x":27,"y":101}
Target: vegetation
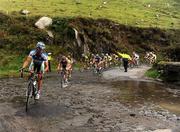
{"x":10,"y":63}
{"x":141,"y":25}
{"x":143,"y":13}
{"x":152,"y":73}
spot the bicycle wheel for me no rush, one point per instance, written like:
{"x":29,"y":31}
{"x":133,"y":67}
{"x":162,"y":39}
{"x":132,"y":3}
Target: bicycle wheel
{"x":62,"y":79}
{"x":29,"y":90}
{"x":35,"y":91}
{"x":94,"y":71}
{"x":99,"y":72}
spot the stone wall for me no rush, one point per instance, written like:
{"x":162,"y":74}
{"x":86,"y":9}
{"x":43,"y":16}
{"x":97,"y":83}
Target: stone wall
{"x":170,"y":71}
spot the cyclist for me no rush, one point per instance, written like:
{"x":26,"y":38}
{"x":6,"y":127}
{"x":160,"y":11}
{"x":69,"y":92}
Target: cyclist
{"x":152,"y":58}
{"x":91,"y":59}
{"x":85,"y":61}
{"x":103,"y":59}
{"x":39,"y":64}
{"x":115,"y":59}
{"x":147,"y":57}
{"x":97,"y":62}
{"x":70,"y":65}
{"x":63,"y":65}
{"x":109,"y":59}
{"x":135,"y":58}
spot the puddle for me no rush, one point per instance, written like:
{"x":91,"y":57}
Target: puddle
{"x":137,"y":92}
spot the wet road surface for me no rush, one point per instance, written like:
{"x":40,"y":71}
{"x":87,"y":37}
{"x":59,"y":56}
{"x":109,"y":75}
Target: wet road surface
{"x":90,"y":104}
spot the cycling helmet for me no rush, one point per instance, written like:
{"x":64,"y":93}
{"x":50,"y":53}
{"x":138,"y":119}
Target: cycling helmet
{"x":83,"y":55}
{"x":40,"y":45}
{"x":63,"y":57}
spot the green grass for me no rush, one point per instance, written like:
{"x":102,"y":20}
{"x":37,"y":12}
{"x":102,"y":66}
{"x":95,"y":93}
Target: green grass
{"x":161,"y":13}
{"x":152,"y":73}
{"x":10,"y":63}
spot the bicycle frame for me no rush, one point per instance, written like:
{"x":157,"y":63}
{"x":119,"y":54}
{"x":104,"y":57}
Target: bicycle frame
{"x":34,"y":80}
{"x":63,"y":77}
{"x":32,"y":88}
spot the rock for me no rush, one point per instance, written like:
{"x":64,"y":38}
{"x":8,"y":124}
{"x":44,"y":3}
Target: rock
{"x":90,"y":121}
{"x":50,"y":34}
{"x":43,"y":22}
{"x":104,"y":2}
{"x":133,"y":115}
{"x":78,"y":2}
{"x":169,"y":71}
{"x":25,"y":12}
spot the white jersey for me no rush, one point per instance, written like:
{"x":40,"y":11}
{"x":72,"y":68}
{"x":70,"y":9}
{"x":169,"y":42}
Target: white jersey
{"x":136,"y":56}
{"x":41,"y":58}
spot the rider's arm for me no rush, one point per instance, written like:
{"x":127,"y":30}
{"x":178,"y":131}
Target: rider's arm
{"x":27,"y":61}
{"x":59,"y":67}
{"x":46,"y":65}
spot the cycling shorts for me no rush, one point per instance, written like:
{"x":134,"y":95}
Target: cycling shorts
{"x":37,"y":67}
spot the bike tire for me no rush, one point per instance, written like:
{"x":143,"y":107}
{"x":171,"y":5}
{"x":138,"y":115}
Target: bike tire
{"x":95,"y":72}
{"x":100,"y":72}
{"x":29,"y":90}
{"x":62,"y":79}
{"x":35,"y":91}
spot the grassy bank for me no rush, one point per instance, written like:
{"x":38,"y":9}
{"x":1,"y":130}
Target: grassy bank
{"x":142,"y":13}
{"x":10,"y":63}
{"x":152,"y":73}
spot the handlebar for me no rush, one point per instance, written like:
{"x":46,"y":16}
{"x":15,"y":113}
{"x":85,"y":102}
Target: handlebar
{"x":21,"y":70}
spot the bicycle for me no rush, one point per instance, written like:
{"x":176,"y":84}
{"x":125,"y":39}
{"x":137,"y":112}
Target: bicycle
{"x":97,"y":70}
{"x":63,"y":73}
{"x":32,"y":87}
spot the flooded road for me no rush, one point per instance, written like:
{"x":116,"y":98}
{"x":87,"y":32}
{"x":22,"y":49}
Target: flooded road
{"x":139,"y":92}
{"x":91,"y":104}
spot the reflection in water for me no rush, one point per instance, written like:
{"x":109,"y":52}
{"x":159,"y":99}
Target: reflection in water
{"x":137,"y":92}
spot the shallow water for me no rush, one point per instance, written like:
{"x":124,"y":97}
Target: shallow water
{"x":140,"y":92}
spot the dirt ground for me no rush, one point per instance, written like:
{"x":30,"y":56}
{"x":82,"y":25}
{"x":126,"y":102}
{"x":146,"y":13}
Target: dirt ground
{"x":89,"y":104}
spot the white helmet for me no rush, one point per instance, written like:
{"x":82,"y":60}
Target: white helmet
{"x":40,"y":45}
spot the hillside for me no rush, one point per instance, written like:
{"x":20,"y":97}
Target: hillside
{"x":141,"y":13}
{"x":18,"y":36}
{"x":104,"y":26}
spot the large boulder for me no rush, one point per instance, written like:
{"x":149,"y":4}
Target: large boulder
{"x":43,"y":22}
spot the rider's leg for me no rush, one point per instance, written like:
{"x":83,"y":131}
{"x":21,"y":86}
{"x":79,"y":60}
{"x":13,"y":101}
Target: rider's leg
{"x":125,"y":63}
{"x":66,"y":75}
{"x":137,"y":62}
{"x":39,"y":82}
{"x":40,"y":71}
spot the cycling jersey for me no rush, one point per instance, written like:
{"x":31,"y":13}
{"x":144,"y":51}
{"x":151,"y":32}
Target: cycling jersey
{"x":38,"y":58}
{"x":97,"y":59}
{"x":64,"y":63}
{"x":37,"y":63}
{"x":136,"y":56}
{"x":109,"y":58}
